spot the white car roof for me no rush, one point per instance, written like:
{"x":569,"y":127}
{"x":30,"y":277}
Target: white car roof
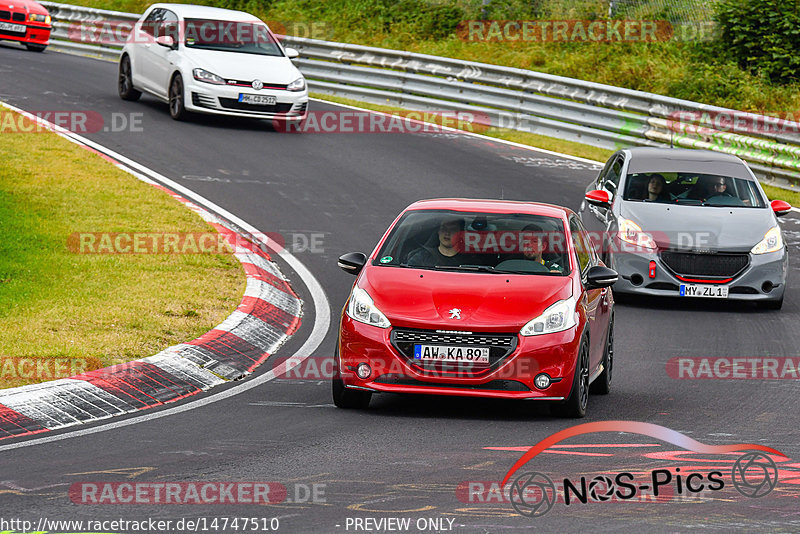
{"x":190,"y":11}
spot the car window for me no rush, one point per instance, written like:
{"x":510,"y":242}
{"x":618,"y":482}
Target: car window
{"x":227,"y":36}
{"x":150,"y":24}
{"x":589,"y":244}
{"x":602,"y":175}
{"x":611,"y":180}
{"x":518,"y":243}
{"x":693,"y":189}
{"x":168,"y":25}
{"x":583,"y":250}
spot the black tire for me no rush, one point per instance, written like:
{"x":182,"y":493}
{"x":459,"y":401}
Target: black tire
{"x":177,"y":109}
{"x":125,"y":81}
{"x":602,"y":385}
{"x":347,"y":399}
{"x":575,"y":405}
{"x":33,"y":47}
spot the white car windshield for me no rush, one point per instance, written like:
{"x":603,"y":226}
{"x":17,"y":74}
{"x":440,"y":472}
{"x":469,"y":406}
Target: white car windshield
{"x":229,"y":36}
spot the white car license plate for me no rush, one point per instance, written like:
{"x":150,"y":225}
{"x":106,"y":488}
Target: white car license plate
{"x":706,"y":291}
{"x":263,"y":100}
{"x":18,"y":28}
{"x":445,"y":353}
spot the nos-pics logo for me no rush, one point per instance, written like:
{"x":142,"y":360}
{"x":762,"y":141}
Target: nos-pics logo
{"x":533,"y":494}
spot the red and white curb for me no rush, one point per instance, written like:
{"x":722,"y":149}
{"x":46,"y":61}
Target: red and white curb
{"x":268,"y":314}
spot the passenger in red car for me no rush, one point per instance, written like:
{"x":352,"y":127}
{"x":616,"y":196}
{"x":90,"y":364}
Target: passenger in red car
{"x":534,"y":249}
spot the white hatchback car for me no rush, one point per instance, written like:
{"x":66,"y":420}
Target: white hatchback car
{"x":210,"y":60}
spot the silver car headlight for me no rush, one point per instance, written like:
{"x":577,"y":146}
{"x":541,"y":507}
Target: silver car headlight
{"x":298,"y":85}
{"x":772,"y":242}
{"x":557,"y":317}
{"x":202,"y":75}
{"x":361,"y":308}
{"x":632,"y":233}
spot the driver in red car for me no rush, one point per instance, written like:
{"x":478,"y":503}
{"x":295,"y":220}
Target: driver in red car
{"x":447,"y":253}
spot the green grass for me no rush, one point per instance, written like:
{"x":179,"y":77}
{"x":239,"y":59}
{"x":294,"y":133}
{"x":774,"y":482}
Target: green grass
{"x":778,"y":193}
{"x":95,"y":310}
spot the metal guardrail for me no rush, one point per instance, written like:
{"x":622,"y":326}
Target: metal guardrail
{"x":595,"y":114}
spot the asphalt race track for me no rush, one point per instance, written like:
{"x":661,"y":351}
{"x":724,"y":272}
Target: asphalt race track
{"x":406,"y":457}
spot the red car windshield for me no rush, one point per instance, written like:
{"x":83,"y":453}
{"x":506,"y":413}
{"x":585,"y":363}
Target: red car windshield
{"x":503,"y":243}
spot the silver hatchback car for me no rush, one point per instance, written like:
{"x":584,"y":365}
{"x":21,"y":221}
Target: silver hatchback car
{"x":687,"y":223}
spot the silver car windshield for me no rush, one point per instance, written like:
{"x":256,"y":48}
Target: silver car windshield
{"x":503,"y":243}
{"x":693,"y":189}
{"x":228,"y":36}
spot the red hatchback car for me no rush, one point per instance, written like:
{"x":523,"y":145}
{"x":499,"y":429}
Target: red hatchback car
{"x":482,"y":298}
{"x":25,"y":21}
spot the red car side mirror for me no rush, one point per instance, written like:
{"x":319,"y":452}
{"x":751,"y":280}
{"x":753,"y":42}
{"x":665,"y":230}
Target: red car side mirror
{"x":598,"y":198}
{"x":780,"y":207}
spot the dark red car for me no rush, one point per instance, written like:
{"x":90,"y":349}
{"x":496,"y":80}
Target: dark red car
{"x":25,"y":21}
{"x":482,"y":298}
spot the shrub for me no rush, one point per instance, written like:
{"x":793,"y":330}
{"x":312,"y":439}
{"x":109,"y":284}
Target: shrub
{"x":762,"y":36}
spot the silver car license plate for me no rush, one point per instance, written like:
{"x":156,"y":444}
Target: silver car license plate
{"x":262,"y":100}
{"x":704,"y":291}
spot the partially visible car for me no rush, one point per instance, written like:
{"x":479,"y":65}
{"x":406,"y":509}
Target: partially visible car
{"x":27,"y":22}
{"x":478,"y":298}
{"x":209,"y":60}
{"x":687,"y":223}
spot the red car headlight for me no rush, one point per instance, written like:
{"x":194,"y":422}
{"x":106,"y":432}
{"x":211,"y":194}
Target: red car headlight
{"x":33,"y":17}
{"x":361,"y":308}
{"x":557,"y":317}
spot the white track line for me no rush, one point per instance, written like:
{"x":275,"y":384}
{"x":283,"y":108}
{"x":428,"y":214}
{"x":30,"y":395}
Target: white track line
{"x":322,"y":314}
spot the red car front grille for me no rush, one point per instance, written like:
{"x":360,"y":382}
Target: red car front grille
{"x":499,"y":345}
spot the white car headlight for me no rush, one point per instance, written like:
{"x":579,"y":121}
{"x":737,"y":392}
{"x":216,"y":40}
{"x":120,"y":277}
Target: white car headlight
{"x":202,"y":75}
{"x":772,"y":242}
{"x":632,"y":233}
{"x":559,"y":316}
{"x":361,"y":308}
{"x":298,"y":85}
